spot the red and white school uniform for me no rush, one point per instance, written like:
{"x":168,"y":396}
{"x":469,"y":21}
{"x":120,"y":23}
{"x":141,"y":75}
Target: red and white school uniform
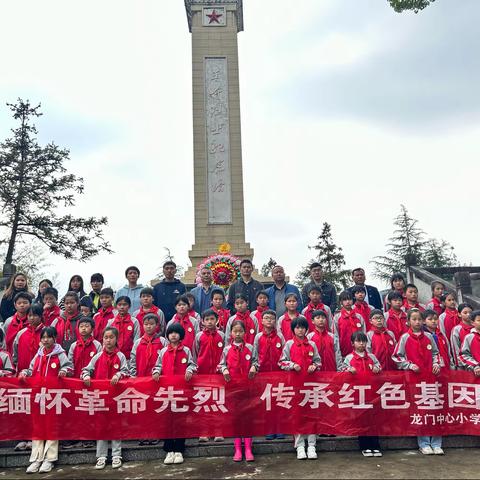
{"x":267,"y":350}
{"x":345,"y":324}
{"x":328,"y":349}
{"x":258,"y":315}
{"x":174,"y":360}
{"x":67,"y":329}
{"x":299,"y":351}
{"x":104,"y":365}
{"x":25,"y":346}
{"x":48,"y":363}
{"x":443,"y":349}
{"x":128,"y":332}
{"x":81,"y":353}
{"x":447,"y":320}
{"x":223,"y":316}
{"x":469,"y":357}
{"x":381,"y":342}
{"x":310,"y":308}
{"x":406,"y":306}
{"x":397,"y":323}
{"x":140,"y":314}
{"x":457,"y":337}
{"x":361,"y":363}
{"x":50,"y":314}
{"x":207,"y":351}
{"x":251,"y":326}
{"x":11,"y":327}
{"x":237,"y":359}
{"x":144,"y":354}
{"x":191,"y":327}
{"x":436,"y":305}
{"x":420,"y":350}
{"x":101,"y":319}
{"x":363,"y":309}
{"x":284,"y":325}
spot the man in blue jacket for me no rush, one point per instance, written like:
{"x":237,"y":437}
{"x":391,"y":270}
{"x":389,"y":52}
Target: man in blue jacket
{"x":166,"y":291}
{"x":278,"y":291}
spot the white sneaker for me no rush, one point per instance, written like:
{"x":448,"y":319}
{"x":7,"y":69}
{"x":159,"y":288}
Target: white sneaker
{"x":116,"y":462}
{"x":46,"y":467}
{"x":301,"y":454}
{"x":33,"y":467}
{"x":438,"y":451}
{"x":20,"y":446}
{"x":377,"y":453}
{"x":218,"y":439}
{"x":101,"y":462}
{"x":311,"y":453}
{"x":367,"y":453}
{"x":177,"y":457}
{"x":203,"y":439}
{"x":428,"y":450}
{"x":169,"y":458}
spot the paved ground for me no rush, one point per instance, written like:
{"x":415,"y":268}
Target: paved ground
{"x":457,"y":463}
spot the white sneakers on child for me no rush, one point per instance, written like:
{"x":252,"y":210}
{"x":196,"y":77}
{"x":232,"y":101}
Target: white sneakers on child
{"x":177,"y":457}
{"x":311,"y":453}
{"x":169,"y":458}
{"x":367,"y":453}
{"x":33,"y":467}
{"x":116,"y":462}
{"x":301,"y":454}
{"x":101,"y":463}
{"x":46,"y":467}
{"x":438,"y":451}
{"x":428,"y":450}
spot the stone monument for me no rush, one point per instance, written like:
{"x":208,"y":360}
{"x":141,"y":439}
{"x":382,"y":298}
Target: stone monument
{"x":217,"y":156}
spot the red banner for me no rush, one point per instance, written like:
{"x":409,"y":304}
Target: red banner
{"x":391,"y":403}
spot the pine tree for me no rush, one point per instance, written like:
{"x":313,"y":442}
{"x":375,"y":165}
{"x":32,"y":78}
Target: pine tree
{"x":330,"y":257}
{"x":34,"y":184}
{"x":267,"y":268}
{"x":438,"y":254}
{"x":415,"y":5}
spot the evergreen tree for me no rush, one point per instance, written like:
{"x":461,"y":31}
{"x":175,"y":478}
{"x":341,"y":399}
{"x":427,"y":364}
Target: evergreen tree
{"x":330,"y":257}
{"x":34,"y":184}
{"x":415,"y":5}
{"x":438,"y":254}
{"x":267,"y":268}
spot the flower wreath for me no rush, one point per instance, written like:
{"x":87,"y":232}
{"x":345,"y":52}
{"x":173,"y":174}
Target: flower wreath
{"x":225,"y":269}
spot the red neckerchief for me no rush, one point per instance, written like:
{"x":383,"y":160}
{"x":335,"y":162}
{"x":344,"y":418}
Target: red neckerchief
{"x":407,"y":306}
{"x":453,"y":313}
{"x":148,"y":341}
{"x":17,"y":324}
{"x":366,"y":360}
{"x":383,"y":335}
{"x":363,"y":309}
{"x":242,"y":316}
{"x":312,"y":306}
{"x":119,"y":322}
{"x":442,"y":345}
{"x":418,"y":343}
{"x":321,"y":334}
{"x":211,"y":343}
{"x":352,"y":319}
{"x":175,"y":350}
{"x":50,"y":314}
{"x":223,"y":316}
{"x":104,"y":369}
{"x":67,"y":326}
{"x":33,"y":347}
{"x":399,"y":316}
{"x":238,"y":349}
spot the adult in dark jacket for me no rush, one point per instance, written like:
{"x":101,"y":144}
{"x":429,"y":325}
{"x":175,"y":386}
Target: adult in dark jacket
{"x":18,"y":283}
{"x":329,"y":293}
{"x":372,"y":295}
{"x":245,"y":285}
{"x":166,"y":292}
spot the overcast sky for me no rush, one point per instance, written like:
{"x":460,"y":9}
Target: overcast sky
{"x":348,"y":110}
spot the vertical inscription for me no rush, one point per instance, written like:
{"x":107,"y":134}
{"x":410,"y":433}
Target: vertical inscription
{"x":219,"y":180}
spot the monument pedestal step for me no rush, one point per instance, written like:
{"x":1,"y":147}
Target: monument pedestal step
{"x":131,"y":451}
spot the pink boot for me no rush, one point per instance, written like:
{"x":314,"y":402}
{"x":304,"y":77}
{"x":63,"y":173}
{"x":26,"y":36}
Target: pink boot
{"x":237,"y":455}
{"x":248,"y":450}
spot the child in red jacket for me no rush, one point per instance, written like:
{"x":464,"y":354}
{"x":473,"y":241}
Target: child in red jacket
{"x":50,"y":361}
{"x":262,"y":306}
{"x":396,"y":318}
{"x":360,"y":306}
{"x":175,"y":359}
{"x":460,"y":331}
{"x":218,"y":301}
{"x":105,"y":313}
{"x":208,"y":349}
{"x":450,"y":318}
{"x":315,"y":296}
{"x":360,"y":361}
{"x":291,"y":313}
{"x":236,"y":362}
{"x":417,"y":351}
{"x":146,"y":307}
{"x":188,"y":323}
{"x":51,"y":310}
{"x":126,"y":325}
{"x":326,"y":343}
{"x":22,"y":302}
{"x":347,"y":322}
{"x":27,"y":341}
{"x":85,"y":347}
{"x":436,"y":303}
{"x":109,"y":364}
{"x":411,"y":298}
{"x":242,"y":314}
{"x":430,"y":325}
{"x":66,"y":323}
{"x":381,"y":341}
{"x":469,"y":357}
{"x":301,"y":355}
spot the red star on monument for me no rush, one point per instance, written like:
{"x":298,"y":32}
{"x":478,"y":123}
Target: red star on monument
{"x":214,"y":16}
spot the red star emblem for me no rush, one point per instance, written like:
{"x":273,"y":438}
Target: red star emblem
{"x":214,"y":17}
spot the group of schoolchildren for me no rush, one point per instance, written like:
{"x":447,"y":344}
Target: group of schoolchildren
{"x":41,"y":340}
